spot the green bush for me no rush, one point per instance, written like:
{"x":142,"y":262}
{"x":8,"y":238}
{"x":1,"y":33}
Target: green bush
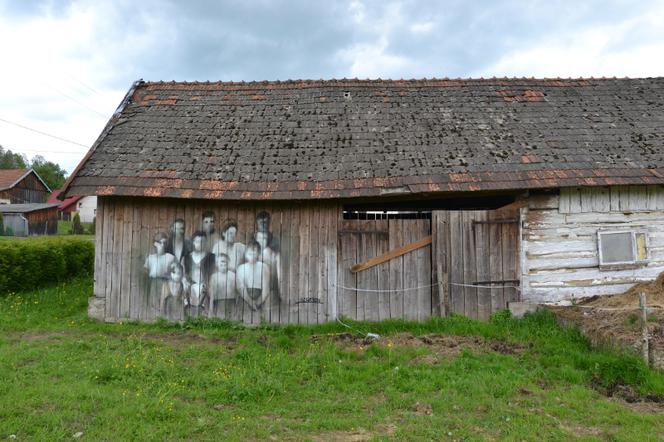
{"x":2,"y":225}
{"x":42,"y":261}
{"x":93,"y":226}
{"x":76,"y":227}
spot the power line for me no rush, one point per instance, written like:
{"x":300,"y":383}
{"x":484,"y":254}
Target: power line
{"x":43,"y":133}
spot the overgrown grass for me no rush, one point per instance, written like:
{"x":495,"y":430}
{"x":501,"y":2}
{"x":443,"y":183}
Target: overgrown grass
{"x":62,"y":373}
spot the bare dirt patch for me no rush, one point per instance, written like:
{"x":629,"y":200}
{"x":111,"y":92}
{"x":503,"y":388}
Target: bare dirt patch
{"x":614,"y":320}
{"x":440,"y":346}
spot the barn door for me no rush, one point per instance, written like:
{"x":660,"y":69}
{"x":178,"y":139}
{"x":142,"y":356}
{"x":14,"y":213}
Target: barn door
{"x":475,"y":259}
{"x":397,"y":288}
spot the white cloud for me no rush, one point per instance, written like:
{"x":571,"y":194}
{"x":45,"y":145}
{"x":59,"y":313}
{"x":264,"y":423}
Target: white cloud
{"x":422,"y":28}
{"x":608,"y":50}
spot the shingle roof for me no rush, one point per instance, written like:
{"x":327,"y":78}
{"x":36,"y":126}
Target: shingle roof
{"x":350,"y":138}
{"x":8,"y":177}
{"x":25,"y":208}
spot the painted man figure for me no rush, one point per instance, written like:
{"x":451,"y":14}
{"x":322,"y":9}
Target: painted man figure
{"x":197,"y":265}
{"x":271,"y":258}
{"x":263,"y":221}
{"x":208,"y":228}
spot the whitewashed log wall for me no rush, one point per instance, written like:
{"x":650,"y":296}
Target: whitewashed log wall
{"x":559,"y":255}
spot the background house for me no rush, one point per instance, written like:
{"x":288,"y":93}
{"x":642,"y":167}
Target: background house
{"x":22,"y":186}
{"x":509,"y":189}
{"x":86,"y":207}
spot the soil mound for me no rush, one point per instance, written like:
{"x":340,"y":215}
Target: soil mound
{"x":654,"y":291}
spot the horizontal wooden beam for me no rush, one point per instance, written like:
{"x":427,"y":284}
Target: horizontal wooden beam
{"x":391,"y":255}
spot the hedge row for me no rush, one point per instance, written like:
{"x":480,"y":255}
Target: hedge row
{"x":37,"y":262}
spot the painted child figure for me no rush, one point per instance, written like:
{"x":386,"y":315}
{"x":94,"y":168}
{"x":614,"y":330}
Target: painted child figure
{"x":253,"y":278}
{"x":173,"y":294}
{"x":156,"y":265}
{"x":222,"y":288}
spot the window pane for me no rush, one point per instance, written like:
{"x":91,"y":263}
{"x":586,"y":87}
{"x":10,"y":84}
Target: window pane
{"x":616,"y":247}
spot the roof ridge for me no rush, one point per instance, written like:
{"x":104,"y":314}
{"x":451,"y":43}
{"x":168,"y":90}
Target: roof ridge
{"x":387,"y":80}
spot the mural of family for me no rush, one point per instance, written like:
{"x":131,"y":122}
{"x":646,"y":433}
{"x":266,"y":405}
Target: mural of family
{"x":212,"y":272}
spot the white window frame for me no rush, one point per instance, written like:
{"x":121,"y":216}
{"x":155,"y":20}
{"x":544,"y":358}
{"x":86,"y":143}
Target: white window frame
{"x":634,"y":261}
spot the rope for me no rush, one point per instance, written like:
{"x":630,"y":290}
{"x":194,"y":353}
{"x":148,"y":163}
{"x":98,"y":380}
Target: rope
{"x":428,"y":287}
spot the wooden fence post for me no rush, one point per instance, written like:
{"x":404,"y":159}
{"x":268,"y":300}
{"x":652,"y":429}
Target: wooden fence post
{"x":644,"y":328}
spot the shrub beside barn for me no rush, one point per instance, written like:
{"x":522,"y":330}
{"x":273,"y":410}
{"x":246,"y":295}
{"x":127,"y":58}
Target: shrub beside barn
{"x":305,"y":201}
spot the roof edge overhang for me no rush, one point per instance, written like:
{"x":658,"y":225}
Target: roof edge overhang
{"x":402,"y":187}
{"x":64,"y":193}
{"x":22,"y":177}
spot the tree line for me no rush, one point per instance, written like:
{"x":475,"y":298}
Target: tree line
{"x":52,"y":174}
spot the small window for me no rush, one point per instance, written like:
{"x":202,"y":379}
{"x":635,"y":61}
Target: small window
{"x":619,"y":248}
{"x":80,"y":205}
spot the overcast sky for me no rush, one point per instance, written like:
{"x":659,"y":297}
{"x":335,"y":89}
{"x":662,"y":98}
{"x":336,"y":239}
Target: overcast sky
{"x":66,"y":65}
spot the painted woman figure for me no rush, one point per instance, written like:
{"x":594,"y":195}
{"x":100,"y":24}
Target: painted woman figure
{"x":228,"y":245}
{"x":157,"y":264}
{"x":177,"y":244}
{"x":197,"y":265}
{"x":253,"y":278}
{"x":222,"y":289}
{"x":173,"y":294}
{"x":271,"y":258}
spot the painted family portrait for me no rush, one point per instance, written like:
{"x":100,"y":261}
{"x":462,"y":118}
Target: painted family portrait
{"x":218,"y":269}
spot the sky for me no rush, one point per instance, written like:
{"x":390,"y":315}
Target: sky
{"x":67,"y":64}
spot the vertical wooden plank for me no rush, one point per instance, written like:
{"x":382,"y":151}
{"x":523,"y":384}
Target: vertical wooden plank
{"x":109,"y":209}
{"x":322,"y":274}
{"x":410,"y":271}
{"x":575,"y":201}
{"x":347,"y":280}
{"x":659,"y":197}
{"x":117,"y":264}
{"x":424,"y":271}
{"x":332,"y":260}
{"x":127,"y":260}
{"x":564,"y":202}
{"x":498,"y":294}
{"x":482,"y":254}
{"x":395,"y":227}
{"x":601,"y":200}
{"x":383,"y":270}
{"x":294,"y":266}
{"x":457,"y":295}
{"x":304,"y":309}
{"x":99,"y":280}
{"x":510,"y":243}
{"x":469,"y":264}
{"x":614,"y":196}
{"x":369,"y":277}
{"x":286,"y":264}
{"x":313,"y":263}
{"x":638,"y":198}
{"x":587,"y":196}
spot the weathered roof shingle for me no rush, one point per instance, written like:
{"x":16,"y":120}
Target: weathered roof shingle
{"x":352,"y":138}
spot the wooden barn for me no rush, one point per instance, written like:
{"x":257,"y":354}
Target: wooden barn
{"x":30,"y":219}
{"x":22,"y":186}
{"x":307,"y":201}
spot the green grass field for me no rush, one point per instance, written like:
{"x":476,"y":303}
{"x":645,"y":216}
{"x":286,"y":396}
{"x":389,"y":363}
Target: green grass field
{"x":460,"y":380}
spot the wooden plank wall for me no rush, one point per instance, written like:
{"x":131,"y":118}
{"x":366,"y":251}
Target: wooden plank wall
{"x":307,"y":236}
{"x":476,"y":260}
{"x":559,"y":240}
{"x":398,"y":288}
{"x":28,"y":190}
